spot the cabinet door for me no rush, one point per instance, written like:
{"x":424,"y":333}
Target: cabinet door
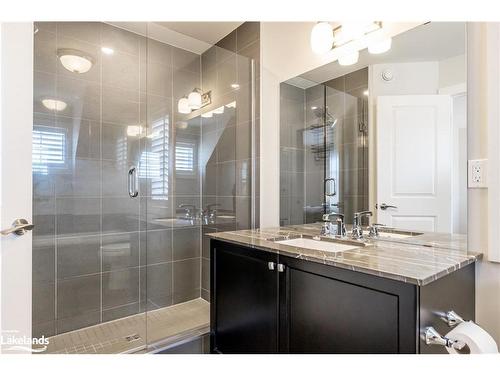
{"x":330,"y":310}
{"x":244,"y":306}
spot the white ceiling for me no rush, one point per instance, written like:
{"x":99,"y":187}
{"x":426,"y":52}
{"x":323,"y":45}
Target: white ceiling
{"x":209,"y":32}
{"x":433,"y":41}
{"x":196,"y":37}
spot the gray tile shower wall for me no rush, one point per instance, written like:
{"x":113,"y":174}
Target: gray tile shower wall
{"x":99,"y":255}
{"x":226,"y":152}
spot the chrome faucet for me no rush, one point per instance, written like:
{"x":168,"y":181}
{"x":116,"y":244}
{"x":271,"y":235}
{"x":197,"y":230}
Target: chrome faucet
{"x":209,"y":214}
{"x":373,"y":230}
{"x":189,"y":212}
{"x":357,"y":230}
{"x":329,"y":229}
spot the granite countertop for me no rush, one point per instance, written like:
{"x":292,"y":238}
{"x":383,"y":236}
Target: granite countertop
{"x":418,"y":259}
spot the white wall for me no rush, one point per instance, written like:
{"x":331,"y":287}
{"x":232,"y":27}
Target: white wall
{"x":286,"y":53}
{"x":487,"y":273}
{"x":16,"y":123}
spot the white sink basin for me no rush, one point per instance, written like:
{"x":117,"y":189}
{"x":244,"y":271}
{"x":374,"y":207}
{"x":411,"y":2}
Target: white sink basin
{"x":317,"y":245}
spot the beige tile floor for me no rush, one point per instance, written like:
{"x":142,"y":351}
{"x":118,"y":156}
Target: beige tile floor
{"x":145,"y":332}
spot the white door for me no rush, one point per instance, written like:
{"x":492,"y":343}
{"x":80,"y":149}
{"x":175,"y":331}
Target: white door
{"x":16,"y":116}
{"x":414,"y":162}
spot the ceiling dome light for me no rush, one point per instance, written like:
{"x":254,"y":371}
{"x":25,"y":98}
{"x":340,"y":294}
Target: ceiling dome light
{"x":183,"y":105}
{"x":194,"y":99}
{"x":54,"y":104}
{"x":322,"y":37}
{"x":349,"y":58}
{"x":380,"y":46}
{"x":74,"y":60}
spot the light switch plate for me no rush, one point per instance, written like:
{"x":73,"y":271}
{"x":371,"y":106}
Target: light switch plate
{"x":477,"y":175}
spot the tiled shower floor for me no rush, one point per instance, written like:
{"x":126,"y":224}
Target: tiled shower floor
{"x":127,"y":335}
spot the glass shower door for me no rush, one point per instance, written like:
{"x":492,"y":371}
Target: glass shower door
{"x":88,"y":109}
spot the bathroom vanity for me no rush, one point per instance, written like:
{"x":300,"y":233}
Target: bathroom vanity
{"x":285,"y":291}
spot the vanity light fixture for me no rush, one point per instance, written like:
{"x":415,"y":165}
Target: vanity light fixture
{"x":380,"y":46}
{"x":54,"y":104}
{"x":74,"y":60}
{"x":194,"y":99}
{"x":322,"y":37}
{"x":107,"y":50}
{"x":349,"y":58}
{"x":183,"y":105}
{"x":325,"y":38}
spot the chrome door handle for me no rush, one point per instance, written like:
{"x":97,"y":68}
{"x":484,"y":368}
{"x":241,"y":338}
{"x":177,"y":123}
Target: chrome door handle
{"x":270,"y":266}
{"x":334,"y":193}
{"x":384,"y":206}
{"x":19,"y":227}
{"x":133,"y":190}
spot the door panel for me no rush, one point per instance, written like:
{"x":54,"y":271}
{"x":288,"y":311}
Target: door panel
{"x":414,"y":161}
{"x":245,"y":305}
{"x":331,"y":316}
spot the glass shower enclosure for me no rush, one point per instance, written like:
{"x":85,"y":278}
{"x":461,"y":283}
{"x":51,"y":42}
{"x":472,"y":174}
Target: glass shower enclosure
{"x":127,"y":182}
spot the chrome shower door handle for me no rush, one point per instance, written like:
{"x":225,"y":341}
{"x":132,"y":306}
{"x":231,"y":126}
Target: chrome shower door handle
{"x":334,"y":193}
{"x":133,"y":189}
{"x":19,"y":227}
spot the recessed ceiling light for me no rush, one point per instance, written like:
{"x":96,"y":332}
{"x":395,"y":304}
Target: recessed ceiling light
{"x":74,"y":60}
{"x":54,"y":104}
{"x":107,"y":50}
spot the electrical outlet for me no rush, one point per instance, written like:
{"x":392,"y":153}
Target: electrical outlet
{"x":478,"y":173}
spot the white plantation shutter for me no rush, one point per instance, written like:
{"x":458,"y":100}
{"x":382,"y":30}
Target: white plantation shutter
{"x":49,"y":149}
{"x":184,"y":157}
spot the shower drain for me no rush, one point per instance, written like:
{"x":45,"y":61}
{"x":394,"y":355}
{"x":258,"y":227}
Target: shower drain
{"x":133,"y":337}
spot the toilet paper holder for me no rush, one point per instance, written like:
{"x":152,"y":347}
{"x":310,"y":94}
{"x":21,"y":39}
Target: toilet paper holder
{"x":432,"y":337}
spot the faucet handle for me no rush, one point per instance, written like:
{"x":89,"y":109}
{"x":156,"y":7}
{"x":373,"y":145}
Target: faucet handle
{"x":374,"y":229}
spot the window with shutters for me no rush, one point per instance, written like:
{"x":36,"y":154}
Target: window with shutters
{"x":49,"y":149}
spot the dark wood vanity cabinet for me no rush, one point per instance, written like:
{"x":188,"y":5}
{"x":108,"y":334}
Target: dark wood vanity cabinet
{"x":307,"y":307}
{"x":244,"y":306}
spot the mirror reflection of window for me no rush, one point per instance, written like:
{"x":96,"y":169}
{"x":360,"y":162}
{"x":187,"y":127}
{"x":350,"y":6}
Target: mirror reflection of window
{"x":154,"y":164}
{"x":184,"y":157}
{"x":49,"y":149}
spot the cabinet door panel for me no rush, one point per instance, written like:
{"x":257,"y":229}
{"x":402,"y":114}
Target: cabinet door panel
{"x":332,"y":316}
{"x":245,"y":311}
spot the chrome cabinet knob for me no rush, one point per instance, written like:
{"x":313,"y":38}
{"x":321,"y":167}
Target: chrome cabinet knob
{"x":19,"y":227}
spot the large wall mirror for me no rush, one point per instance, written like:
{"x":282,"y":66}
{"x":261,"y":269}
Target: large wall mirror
{"x":387,"y":134}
